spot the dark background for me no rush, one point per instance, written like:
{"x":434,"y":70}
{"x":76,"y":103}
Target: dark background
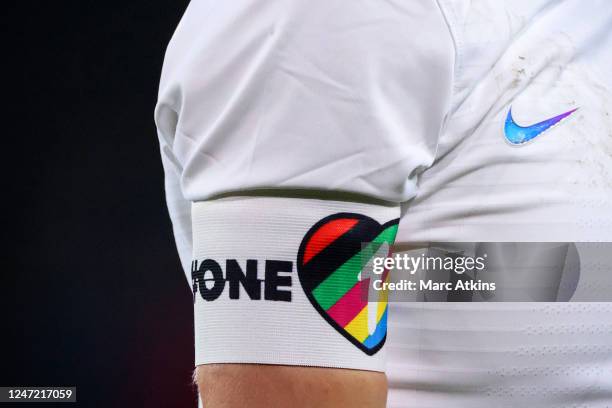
{"x":92,"y":290}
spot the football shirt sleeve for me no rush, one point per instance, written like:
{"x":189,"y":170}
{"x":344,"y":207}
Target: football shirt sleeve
{"x":290,"y":133}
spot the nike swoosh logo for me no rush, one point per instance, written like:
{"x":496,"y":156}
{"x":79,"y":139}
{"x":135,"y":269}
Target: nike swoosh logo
{"x":518,"y":135}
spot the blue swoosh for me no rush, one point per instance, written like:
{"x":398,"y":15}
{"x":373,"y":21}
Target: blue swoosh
{"x":518,"y":135}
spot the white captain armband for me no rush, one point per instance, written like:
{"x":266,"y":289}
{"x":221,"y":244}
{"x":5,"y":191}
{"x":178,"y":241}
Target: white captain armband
{"x":279,"y":281}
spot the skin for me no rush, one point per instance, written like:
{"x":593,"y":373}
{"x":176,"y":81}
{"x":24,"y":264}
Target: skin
{"x":269,"y":386}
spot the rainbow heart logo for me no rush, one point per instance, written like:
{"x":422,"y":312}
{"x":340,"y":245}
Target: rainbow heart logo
{"x":332,"y":262}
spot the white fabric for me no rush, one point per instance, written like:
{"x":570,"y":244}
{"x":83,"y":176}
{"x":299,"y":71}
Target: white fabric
{"x":405,"y":101}
{"x":542,"y":58}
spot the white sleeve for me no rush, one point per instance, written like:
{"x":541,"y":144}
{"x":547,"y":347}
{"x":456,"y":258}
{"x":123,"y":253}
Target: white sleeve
{"x":178,"y":207}
{"x":294,"y":130}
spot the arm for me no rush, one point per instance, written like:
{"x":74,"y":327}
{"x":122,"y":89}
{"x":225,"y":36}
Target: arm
{"x":230,"y":385}
{"x":268,"y":386}
{"x":299,"y":102}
